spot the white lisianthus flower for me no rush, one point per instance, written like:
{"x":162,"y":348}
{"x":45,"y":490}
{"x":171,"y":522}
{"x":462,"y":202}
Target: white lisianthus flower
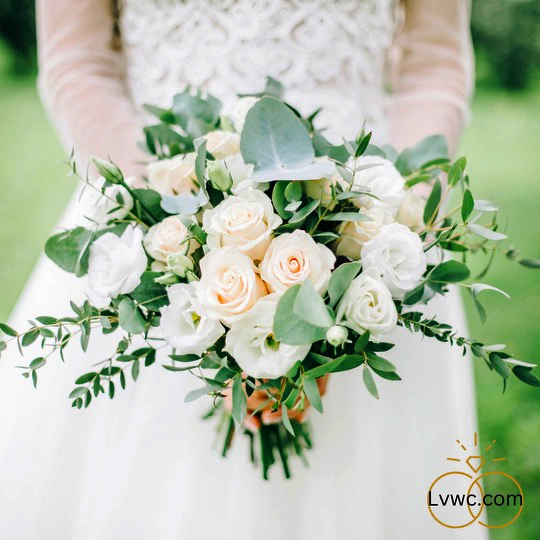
{"x":245,"y":221}
{"x":356,"y":233}
{"x":238,"y":114}
{"x":294,"y":257}
{"x":116,"y":263}
{"x":398,"y":254}
{"x":169,"y":237}
{"x":184,"y":324}
{"x":222,"y":143}
{"x":384,"y":181}
{"x":411,"y":211}
{"x":175,"y":176}
{"x":229,"y":284}
{"x":98,"y":203}
{"x":367,"y":305}
{"x":250,"y":341}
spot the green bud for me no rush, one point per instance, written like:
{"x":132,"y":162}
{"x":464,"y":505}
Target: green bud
{"x":167,"y":279}
{"x":337,"y":335}
{"x":108,"y":170}
{"x":179,"y":264}
{"x":219,"y":176}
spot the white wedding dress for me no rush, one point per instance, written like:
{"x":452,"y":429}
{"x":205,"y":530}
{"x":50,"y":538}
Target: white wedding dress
{"x":143,"y":465}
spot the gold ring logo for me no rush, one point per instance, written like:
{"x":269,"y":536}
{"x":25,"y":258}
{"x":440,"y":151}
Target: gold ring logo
{"x":473,"y":498}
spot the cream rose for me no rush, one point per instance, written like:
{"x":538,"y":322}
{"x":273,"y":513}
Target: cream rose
{"x":229,"y":284}
{"x":356,"y":233}
{"x":384,"y":181}
{"x":398,"y":254}
{"x":245,"y":221}
{"x":294,"y":257}
{"x":175,"y":176}
{"x":411,"y":211}
{"x":251,"y":343}
{"x":222,"y":144}
{"x":116,"y":263}
{"x":184,"y":324}
{"x":367,"y":305}
{"x":238,"y":114}
{"x":169,"y":237}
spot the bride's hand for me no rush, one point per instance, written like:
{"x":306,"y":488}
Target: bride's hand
{"x":267,"y":415}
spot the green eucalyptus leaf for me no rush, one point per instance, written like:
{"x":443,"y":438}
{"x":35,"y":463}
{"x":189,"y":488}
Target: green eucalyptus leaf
{"x":432,"y":204}
{"x":467,"y":206}
{"x":130,"y":318}
{"x":309,"y":306}
{"x":483,"y":232}
{"x":313,"y":394}
{"x":341,"y":279}
{"x":70,"y":250}
{"x":449,"y":272}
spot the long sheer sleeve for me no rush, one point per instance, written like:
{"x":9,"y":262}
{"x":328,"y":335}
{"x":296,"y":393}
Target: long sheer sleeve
{"x":434,"y":76}
{"x":81,"y":81}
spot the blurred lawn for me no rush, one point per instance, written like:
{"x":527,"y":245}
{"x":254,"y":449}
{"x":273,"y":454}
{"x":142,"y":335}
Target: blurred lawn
{"x":504,"y":158}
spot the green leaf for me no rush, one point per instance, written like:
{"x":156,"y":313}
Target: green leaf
{"x":341,"y":279}
{"x":467,"y":206}
{"x":449,"y":272}
{"x":36,"y":363}
{"x":149,"y":293}
{"x":311,"y":390}
{"x":77,"y":392}
{"x":351,"y":361}
{"x":380,"y":363}
{"x":479,"y":307}
{"x":432,"y":204}
{"x":278,"y":144}
{"x":199,"y":392}
{"x":530,"y":263}
{"x":291,"y":329}
{"x":239,"y":400}
{"x":456,"y":171}
{"x":500,"y":366}
{"x":86,"y":378}
{"x":151,"y":200}
{"x":185,"y":357}
{"x":184,"y":205}
{"x":286,"y":420}
{"x":70,"y":250}
{"x":414,"y":296}
{"x":293,"y":192}
{"x":427,"y":150}
{"x":488,"y":234}
{"x":130,"y":318}
{"x":279,"y":200}
{"x":323,"y":369}
{"x":305,"y":211}
{"x":309,"y":306}
{"x":347,"y":216}
{"x":369,"y":382}
{"x":477,"y":288}
{"x":524,"y":374}
{"x":362,"y":342}
{"x":29,"y":337}
{"x":197,"y":115}
{"x":7,"y":330}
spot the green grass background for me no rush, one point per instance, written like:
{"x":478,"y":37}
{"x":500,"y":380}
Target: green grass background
{"x":502,"y":146}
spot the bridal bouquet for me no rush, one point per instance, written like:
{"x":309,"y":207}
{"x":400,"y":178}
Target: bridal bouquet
{"x":261,"y":258}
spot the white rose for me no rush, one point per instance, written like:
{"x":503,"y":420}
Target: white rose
{"x":173,"y":176}
{"x":367,"y":305}
{"x":239,"y":113}
{"x":398,"y":254}
{"x":168,"y":237}
{"x":98,"y":203}
{"x":241,"y":174}
{"x":246,"y":222}
{"x":116,"y":263}
{"x":251,"y":343}
{"x":384,"y":181}
{"x":294,"y":257}
{"x":411,"y":211}
{"x":222,"y":143}
{"x":229,"y":284}
{"x":356,"y":233}
{"x":184,"y":324}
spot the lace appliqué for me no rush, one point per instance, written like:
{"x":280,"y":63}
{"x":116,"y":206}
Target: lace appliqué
{"x":331,"y":53}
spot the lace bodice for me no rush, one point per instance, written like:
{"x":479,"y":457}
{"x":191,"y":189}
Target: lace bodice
{"x":326,"y":52}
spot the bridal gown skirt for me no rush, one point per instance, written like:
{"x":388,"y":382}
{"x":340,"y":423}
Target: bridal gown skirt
{"x":145,"y":466}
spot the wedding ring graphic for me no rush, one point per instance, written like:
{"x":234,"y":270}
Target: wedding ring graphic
{"x":457,"y":499}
